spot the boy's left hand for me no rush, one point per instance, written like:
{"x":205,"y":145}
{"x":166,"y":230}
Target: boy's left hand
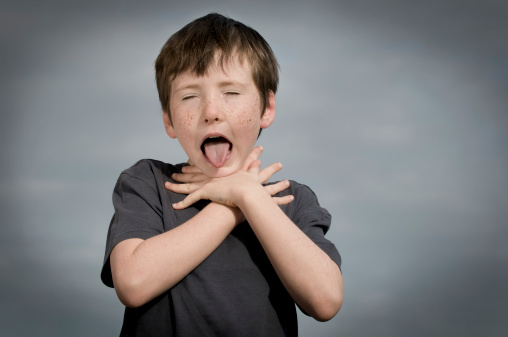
{"x":225,"y":190}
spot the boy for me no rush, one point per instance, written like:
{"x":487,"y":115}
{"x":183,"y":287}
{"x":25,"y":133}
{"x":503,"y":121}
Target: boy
{"x":205,"y":248}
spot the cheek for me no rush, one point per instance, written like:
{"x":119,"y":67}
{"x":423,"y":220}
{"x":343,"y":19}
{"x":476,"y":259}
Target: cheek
{"x":249,"y":121}
{"x":183,"y":124}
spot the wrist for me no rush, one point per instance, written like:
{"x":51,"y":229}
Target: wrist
{"x":231,"y":214}
{"x":251,"y":194}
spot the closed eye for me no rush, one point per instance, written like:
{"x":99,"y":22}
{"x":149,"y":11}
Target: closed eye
{"x":188,"y":97}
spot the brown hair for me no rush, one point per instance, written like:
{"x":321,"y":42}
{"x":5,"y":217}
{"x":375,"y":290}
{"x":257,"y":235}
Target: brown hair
{"x":195,"y":47}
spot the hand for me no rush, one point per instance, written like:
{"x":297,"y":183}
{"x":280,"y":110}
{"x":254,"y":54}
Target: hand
{"x":225,"y":190}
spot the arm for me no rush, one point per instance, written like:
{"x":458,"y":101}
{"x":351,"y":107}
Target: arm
{"x":307,"y":272}
{"x":144,"y":269}
{"x":309,"y":275}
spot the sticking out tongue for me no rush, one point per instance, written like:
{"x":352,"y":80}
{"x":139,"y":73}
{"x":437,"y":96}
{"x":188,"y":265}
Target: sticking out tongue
{"x":217,"y":150}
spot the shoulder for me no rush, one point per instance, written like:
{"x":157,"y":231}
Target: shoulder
{"x":146,"y":177}
{"x":305,"y":200}
{"x":146,"y":168}
{"x":150,"y":170}
{"x":302,"y":192}
{"x":301,"y":188}
{"x":295,"y":187}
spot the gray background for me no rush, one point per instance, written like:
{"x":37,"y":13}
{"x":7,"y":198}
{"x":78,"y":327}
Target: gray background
{"x":394,"y":112}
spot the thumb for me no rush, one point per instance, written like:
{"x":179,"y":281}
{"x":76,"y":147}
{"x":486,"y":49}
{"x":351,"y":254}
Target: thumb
{"x":189,"y":200}
{"x":254,"y":155}
{"x":254,"y":166}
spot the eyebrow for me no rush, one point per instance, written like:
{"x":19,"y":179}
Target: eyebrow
{"x":232,"y":83}
{"x":221,"y":84}
{"x":185,"y":87}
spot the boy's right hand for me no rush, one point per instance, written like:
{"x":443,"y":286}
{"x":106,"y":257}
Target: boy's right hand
{"x":192,"y":178}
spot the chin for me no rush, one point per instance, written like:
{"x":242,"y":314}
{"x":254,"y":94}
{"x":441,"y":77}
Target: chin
{"x":213,"y":172}
{"x":218,"y":173}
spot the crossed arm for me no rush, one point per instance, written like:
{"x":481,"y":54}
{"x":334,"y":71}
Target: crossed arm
{"x":144,"y":269}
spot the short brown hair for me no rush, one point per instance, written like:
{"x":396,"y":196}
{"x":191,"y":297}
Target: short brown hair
{"x":195,"y":47}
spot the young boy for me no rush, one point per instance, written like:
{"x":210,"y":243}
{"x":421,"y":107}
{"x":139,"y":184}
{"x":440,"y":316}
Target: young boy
{"x":206,"y":248}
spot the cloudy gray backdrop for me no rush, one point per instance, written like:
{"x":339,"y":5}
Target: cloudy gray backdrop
{"x":394,"y":112}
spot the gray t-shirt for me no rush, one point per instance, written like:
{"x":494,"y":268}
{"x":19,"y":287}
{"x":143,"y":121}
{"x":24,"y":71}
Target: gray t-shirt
{"x":233,"y":292}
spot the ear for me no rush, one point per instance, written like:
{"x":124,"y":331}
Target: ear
{"x":269,"y":115}
{"x":167,"y":125}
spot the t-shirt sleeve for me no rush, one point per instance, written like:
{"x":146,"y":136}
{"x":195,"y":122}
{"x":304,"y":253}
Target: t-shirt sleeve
{"x":138,"y":212}
{"x":312,"y":219}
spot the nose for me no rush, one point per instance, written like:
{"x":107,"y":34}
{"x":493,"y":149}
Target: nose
{"x":211,"y":111}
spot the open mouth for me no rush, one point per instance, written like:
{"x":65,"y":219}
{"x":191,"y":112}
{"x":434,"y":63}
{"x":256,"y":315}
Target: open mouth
{"x":217,"y":150}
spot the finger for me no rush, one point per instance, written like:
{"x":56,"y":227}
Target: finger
{"x":188,"y":201}
{"x":183,"y":188}
{"x":278,"y":187}
{"x":188,"y":177}
{"x":254,"y":155}
{"x":254,"y":167}
{"x":283,"y":200}
{"x":190,"y":169}
{"x":269,"y":171}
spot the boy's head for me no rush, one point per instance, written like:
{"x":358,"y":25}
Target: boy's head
{"x":217,"y":80}
{"x":199,"y":45}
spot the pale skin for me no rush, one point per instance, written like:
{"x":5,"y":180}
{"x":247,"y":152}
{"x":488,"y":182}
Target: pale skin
{"x":144,"y":269}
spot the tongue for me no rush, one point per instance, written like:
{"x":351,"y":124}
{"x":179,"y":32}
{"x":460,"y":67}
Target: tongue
{"x":217,"y":151}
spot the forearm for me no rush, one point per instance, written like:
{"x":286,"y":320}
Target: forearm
{"x":151,"y":267}
{"x":309,"y":275}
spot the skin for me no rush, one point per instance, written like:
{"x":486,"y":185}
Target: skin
{"x":223,"y":102}
{"x":226,"y":103}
